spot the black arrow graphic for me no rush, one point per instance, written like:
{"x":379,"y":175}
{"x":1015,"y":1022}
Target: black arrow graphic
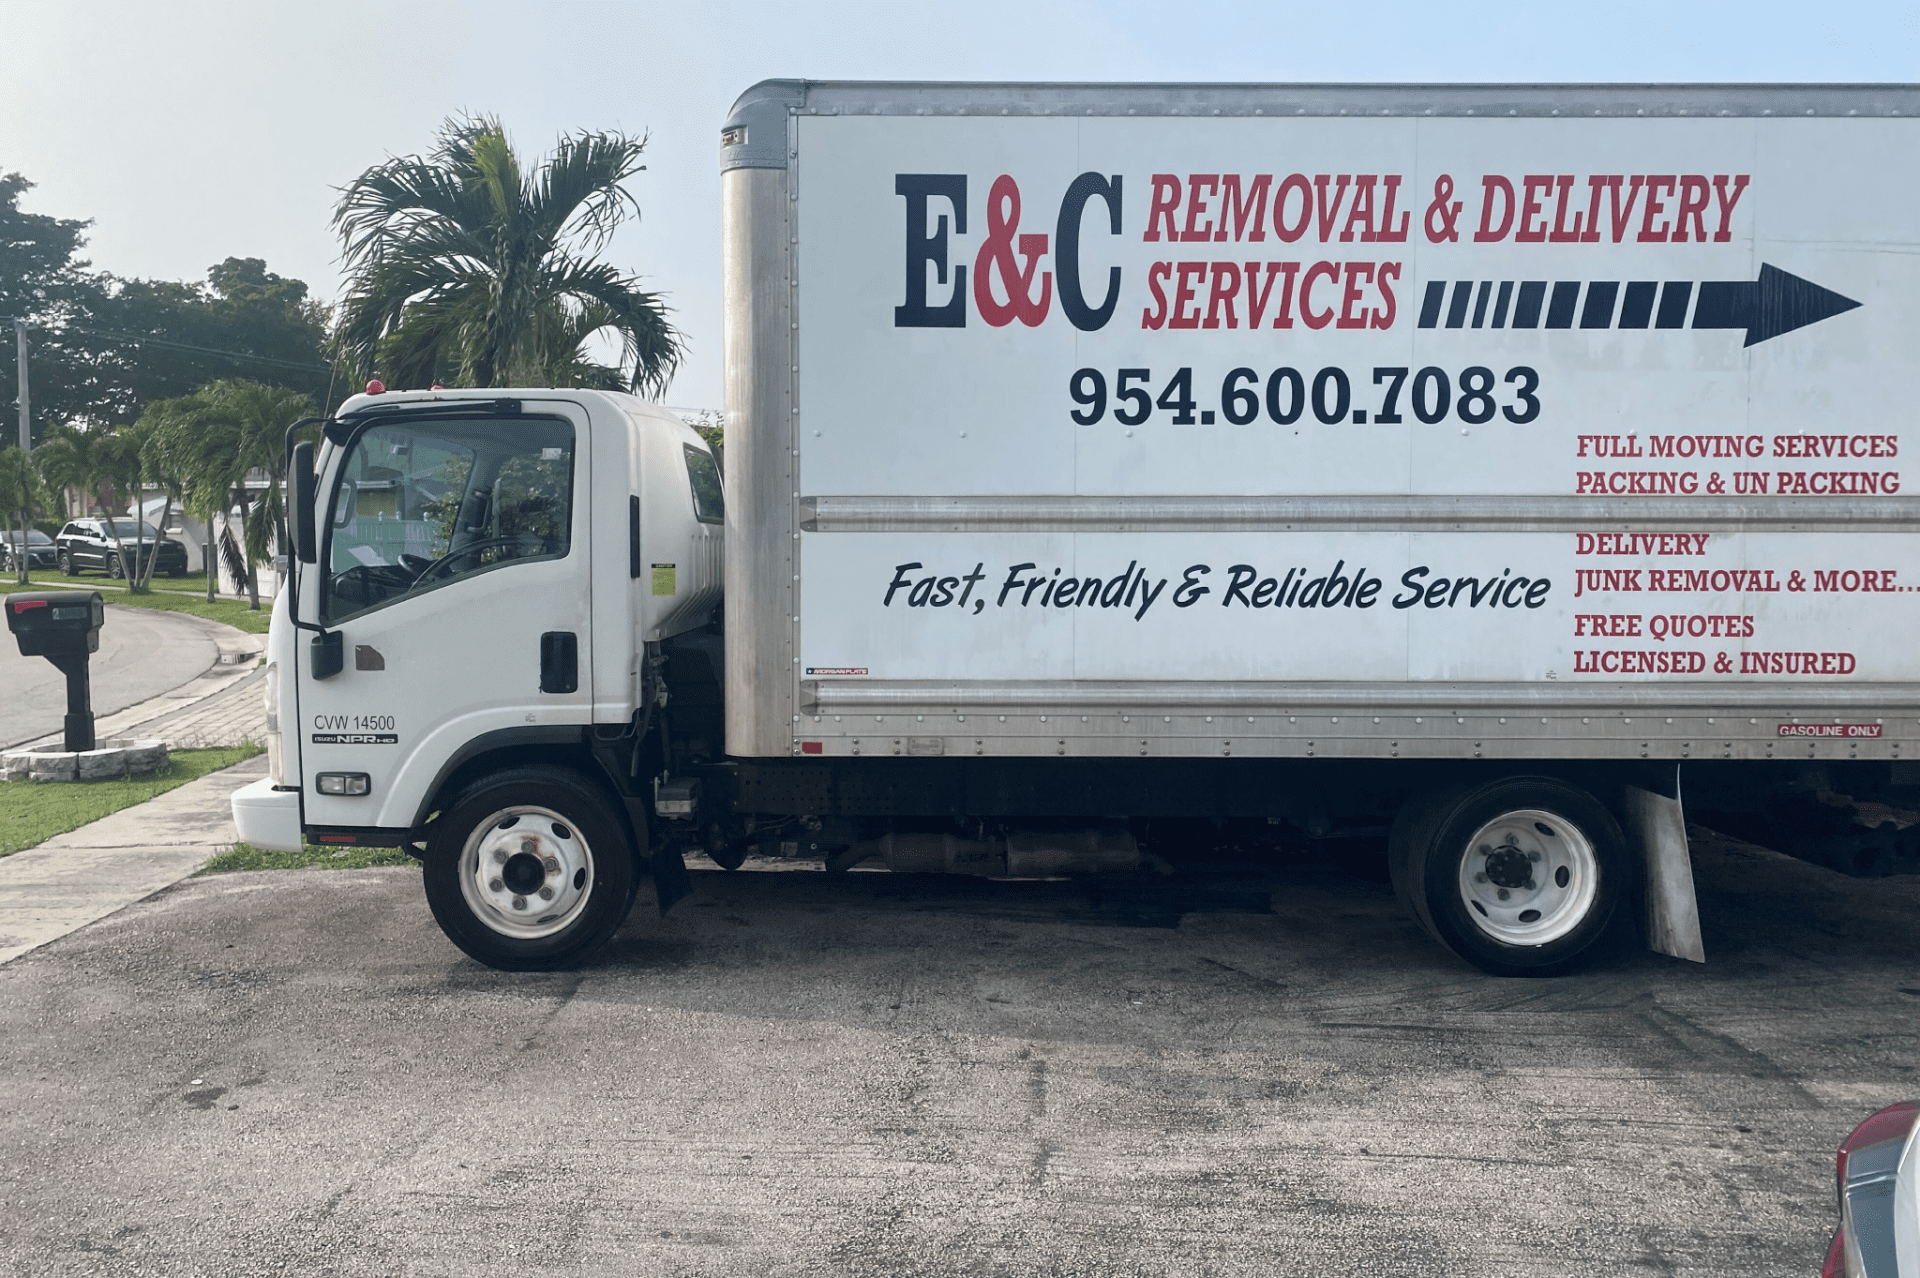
{"x":1776,"y":303}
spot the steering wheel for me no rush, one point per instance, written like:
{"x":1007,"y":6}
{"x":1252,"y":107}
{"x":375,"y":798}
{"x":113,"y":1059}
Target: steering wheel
{"x":415,"y":564}
{"x":471,"y":548}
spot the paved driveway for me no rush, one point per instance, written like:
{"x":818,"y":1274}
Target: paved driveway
{"x":869,"y":1075}
{"x":143,"y":653}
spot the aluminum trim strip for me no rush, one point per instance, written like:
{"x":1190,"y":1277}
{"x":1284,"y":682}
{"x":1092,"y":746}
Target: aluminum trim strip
{"x":1488,"y":513}
{"x":1574,"y":101}
{"x":827,"y":696}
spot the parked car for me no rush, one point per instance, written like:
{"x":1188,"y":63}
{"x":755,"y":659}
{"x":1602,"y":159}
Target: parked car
{"x":1877,"y":1175}
{"x":35,"y":545}
{"x":95,"y":543}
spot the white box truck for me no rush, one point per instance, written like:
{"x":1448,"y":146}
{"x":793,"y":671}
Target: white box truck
{"x":1101,"y":457}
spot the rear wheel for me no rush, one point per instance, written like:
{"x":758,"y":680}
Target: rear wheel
{"x":529,"y":870}
{"x":1521,"y":876}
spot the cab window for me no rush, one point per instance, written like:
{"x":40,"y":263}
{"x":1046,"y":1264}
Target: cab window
{"x":708,"y":506}
{"x":419,"y":504}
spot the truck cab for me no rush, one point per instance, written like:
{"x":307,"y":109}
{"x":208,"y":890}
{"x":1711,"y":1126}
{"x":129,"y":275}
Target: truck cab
{"x":469,"y":663}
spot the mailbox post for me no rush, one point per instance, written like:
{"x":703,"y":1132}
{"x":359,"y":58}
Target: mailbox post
{"x":64,"y":627}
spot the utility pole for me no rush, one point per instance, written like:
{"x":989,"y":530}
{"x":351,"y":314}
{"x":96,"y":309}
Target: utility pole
{"x":26,"y":409}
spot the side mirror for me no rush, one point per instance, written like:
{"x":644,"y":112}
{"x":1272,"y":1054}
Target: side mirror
{"x":305,"y":487}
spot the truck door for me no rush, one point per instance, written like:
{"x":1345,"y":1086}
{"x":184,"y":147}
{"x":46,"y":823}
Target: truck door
{"x":454,"y":563}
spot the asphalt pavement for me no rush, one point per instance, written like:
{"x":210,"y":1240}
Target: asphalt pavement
{"x":868,"y":1074}
{"x":143,"y":654}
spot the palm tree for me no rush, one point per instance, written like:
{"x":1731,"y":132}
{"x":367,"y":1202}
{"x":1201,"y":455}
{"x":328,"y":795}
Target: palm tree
{"x":213,"y":439}
{"x":73,"y":458}
{"x":21,"y":493}
{"x":467,"y":270}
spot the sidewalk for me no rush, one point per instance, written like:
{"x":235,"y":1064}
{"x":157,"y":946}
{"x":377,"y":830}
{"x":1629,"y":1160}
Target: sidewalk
{"x":82,"y":876}
{"x":222,"y":707}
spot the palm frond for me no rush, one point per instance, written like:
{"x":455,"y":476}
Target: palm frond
{"x":463,"y":265}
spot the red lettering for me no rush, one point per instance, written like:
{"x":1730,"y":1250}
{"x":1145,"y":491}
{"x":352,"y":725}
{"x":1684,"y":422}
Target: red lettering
{"x":1256,"y":295}
{"x":1157,"y":316}
{"x":1598,"y":182}
{"x":1196,"y":206}
{"x":1386,"y":234}
{"x":1694,"y":196}
{"x":1388,"y":271}
{"x":1530,"y":208}
{"x":1622,"y":216}
{"x":1727,"y":202}
{"x":1361,"y":212}
{"x":1318,"y":271}
{"x":1226,"y":282}
{"x":1296,"y":182}
{"x":1328,"y":213}
{"x":1283,"y":317}
{"x":1250,"y":211}
{"x":1183,"y":293}
{"x":1491,"y":184}
{"x":1654,"y":207}
{"x":1356,"y":272}
{"x":1562,"y":234}
{"x":1166,"y":199}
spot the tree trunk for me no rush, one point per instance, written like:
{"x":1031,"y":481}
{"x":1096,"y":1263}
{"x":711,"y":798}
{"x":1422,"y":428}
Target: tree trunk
{"x":246,"y":557}
{"x":136,"y":579}
{"x":22,"y":553}
{"x":146,"y":577}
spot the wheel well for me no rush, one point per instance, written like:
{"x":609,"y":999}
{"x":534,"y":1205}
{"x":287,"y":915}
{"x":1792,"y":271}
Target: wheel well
{"x":572,"y":755}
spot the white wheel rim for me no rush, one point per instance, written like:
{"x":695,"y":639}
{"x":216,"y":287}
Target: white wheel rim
{"x":1529,"y":877}
{"x":526,"y":872}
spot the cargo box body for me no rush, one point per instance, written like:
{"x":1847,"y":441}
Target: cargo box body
{"x":1291,"y":422}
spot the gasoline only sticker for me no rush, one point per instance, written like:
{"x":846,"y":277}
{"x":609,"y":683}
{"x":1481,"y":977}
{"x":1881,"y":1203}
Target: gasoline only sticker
{"x":1829,"y":729}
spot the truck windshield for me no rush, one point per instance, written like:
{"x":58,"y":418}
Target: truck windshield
{"x":419,"y":504}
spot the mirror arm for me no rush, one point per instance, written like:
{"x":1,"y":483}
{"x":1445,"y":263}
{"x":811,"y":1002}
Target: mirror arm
{"x":306,"y":513}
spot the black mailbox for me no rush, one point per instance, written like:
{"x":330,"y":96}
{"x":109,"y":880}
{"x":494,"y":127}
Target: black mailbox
{"x":58,"y":623}
{"x":64,"y":627}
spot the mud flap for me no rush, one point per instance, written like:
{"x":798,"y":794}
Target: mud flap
{"x":1658,"y":828}
{"x":671,"y":882}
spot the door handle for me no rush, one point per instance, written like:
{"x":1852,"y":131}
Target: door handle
{"x":559,"y":661}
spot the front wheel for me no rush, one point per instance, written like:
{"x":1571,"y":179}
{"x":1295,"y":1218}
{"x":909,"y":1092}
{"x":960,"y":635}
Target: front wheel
{"x":529,"y":870}
{"x":1521,"y":876}
{"x":66,"y":565}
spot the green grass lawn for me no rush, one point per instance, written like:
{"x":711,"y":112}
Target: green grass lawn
{"x":234,"y":612}
{"x":247,"y":857}
{"x":34,"y":811}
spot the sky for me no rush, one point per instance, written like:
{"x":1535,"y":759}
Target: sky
{"x":198,"y":130}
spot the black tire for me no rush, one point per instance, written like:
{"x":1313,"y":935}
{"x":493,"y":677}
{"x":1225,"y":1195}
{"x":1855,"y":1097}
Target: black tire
{"x":115,"y":569}
{"x":66,"y":565}
{"x":544,"y":828}
{"x":1473,"y":862}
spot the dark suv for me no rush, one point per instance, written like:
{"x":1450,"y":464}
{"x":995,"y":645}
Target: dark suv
{"x":95,"y":543}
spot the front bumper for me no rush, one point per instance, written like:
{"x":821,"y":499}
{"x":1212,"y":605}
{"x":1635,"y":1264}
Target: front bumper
{"x":266,"y":817}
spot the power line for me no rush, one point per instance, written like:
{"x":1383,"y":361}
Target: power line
{"x":163,"y":344}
